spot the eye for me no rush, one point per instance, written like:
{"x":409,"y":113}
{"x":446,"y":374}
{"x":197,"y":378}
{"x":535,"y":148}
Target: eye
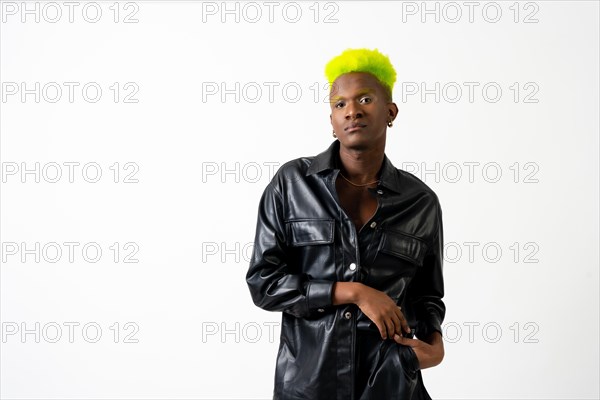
{"x":338,"y":104}
{"x":366,"y":99}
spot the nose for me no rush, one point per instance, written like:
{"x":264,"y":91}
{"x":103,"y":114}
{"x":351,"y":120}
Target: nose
{"x":353,"y":111}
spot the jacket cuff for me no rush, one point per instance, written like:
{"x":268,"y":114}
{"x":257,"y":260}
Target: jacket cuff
{"x":319,"y":293}
{"x":426,"y":328}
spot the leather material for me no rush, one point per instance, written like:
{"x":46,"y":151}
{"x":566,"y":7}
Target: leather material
{"x":305,"y":242}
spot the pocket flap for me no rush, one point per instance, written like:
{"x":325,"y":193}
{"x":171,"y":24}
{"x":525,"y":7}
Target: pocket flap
{"x":404,"y":246}
{"x":310,"y":231}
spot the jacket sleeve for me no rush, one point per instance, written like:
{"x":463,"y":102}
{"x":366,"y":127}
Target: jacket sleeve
{"x":427,"y":287}
{"x":272,"y":285}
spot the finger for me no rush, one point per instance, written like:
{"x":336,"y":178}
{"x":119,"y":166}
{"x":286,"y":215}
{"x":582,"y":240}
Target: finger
{"x":389,"y":324}
{"x":407,"y":341}
{"x":403,"y":321}
{"x":399,"y":321}
{"x":404,"y":340}
{"x":399,"y":313}
{"x":382,"y":330}
{"x":405,"y":325}
{"x":396,"y":319}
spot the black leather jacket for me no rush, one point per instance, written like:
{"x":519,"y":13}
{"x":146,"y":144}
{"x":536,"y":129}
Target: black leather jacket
{"x":305,"y":242}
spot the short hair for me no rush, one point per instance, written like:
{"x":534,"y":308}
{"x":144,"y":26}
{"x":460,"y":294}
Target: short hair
{"x":363,"y":60}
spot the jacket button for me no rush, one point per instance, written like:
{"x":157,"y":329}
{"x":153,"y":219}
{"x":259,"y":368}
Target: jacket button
{"x":347,"y":315}
{"x":321,"y":310}
{"x":352,"y":267}
{"x":373,"y":224}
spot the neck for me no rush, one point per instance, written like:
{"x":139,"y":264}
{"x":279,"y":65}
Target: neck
{"x":361,"y":166}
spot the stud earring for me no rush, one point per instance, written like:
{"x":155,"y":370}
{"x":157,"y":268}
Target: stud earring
{"x":390,"y":123}
{"x":334,"y":134}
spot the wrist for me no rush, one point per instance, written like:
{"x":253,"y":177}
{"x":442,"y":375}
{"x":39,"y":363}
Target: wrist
{"x":356,"y":290}
{"x":346,"y":292}
{"x":435,"y":340}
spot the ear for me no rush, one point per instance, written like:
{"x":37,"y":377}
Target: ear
{"x":393,"y":111}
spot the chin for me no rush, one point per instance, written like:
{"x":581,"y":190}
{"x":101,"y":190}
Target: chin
{"x":363,"y":140}
{"x":357,"y":143}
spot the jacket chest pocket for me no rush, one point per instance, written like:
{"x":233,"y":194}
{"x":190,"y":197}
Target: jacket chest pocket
{"x":308,"y":232}
{"x":310,"y":243}
{"x":399,"y":256}
{"x":401,"y":245}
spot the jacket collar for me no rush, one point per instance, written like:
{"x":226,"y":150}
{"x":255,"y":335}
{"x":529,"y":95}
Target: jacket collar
{"x":390,"y":178}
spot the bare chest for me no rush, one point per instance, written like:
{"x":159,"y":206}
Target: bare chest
{"x":357,"y":202}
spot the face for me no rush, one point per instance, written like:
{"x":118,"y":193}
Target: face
{"x":360,"y":110}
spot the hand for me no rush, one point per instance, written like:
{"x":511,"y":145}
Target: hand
{"x":382,"y":310}
{"x":430,"y":353}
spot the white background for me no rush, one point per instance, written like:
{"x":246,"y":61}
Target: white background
{"x":201,"y":162}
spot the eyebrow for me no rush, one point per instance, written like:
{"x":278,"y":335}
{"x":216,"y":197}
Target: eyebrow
{"x":360,"y":93}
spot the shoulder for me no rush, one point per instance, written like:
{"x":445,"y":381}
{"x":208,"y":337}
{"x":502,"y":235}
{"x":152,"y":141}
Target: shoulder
{"x":426,"y":195}
{"x":291,"y":171}
{"x":415,"y":184}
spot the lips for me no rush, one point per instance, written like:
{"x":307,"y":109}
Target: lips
{"x":354,"y":126}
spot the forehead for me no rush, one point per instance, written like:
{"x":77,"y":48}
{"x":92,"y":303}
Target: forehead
{"x":353,"y":83}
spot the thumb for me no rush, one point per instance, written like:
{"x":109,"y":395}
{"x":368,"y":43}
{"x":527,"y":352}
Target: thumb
{"x":405,"y":341}
{"x":400,"y":339}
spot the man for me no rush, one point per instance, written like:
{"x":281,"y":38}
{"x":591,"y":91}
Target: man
{"x":349,"y":249}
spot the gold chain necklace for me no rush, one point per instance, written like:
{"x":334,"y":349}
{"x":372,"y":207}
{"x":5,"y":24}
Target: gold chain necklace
{"x":362,"y":185}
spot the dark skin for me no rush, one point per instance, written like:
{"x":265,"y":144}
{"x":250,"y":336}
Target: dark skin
{"x":360,"y":111}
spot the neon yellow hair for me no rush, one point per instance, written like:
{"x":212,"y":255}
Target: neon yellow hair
{"x":363,"y":60}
